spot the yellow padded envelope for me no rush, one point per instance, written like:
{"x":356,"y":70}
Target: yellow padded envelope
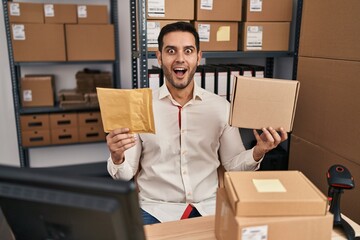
{"x":126,"y":108}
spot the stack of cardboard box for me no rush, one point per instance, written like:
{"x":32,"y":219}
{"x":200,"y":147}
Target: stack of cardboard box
{"x":38,"y":32}
{"x":271,"y":205}
{"x":61,"y":128}
{"x":326,"y":130}
{"x":266,"y":25}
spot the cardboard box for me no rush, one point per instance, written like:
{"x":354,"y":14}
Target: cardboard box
{"x":169,"y":9}
{"x":60,"y":13}
{"x":92,"y":134}
{"x":92,"y":14}
{"x":63,"y":120}
{"x":35,"y":122}
{"x":90,"y":42}
{"x":268,"y":11}
{"x":273,"y":193}
{"x":263,"y":102}
{"x":327,"y":112}
{"x":217,"y":36}
{"x":22,"y":12}
{"x":37,"y":91}
{"x":218,"y":10}
{"x":264,"y":36}
{"x":330,"y":29}
{"x":38,"y":42}
{"x":230,"y":227}
{"x":35,"y":138}
{"x":90,"y":119}
{"x":64,"y":135}
{"x":153,"y":30}
{"x":314,"y":161}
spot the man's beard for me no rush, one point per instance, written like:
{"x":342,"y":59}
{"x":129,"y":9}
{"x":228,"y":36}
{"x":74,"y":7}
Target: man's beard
{"x":182,"y":85}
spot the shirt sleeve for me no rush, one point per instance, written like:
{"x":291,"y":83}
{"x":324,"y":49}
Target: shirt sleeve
{"x":126,"y":170}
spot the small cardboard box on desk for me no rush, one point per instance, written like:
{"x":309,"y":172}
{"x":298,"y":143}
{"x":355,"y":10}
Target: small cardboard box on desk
{"x":271,"y":205}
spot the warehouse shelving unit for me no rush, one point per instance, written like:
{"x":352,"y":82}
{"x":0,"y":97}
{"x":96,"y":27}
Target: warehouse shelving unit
{"x":15,"y":71}
{"x":140,"y":54}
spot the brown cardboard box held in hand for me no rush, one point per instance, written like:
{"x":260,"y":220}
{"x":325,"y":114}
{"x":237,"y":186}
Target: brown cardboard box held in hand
{"x":126,"y":108}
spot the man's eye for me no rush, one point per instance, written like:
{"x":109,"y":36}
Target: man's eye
{"x":171,"y":51}
{"x":188,"y":51}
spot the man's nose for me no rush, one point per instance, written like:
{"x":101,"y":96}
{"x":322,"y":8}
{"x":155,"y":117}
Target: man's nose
{"x":180,"y":56}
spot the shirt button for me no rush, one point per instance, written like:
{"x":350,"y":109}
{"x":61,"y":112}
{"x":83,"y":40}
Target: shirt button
{"x":189,"y":194}
{"x":184,"y":172}
{"x":184,"y":152}
{"x":182,"y":131}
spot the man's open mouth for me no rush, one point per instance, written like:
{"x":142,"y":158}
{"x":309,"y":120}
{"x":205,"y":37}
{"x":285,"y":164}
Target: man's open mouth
{"x":180,"y":71}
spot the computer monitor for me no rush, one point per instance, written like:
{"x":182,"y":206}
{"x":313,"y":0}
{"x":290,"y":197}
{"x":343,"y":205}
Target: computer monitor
{"x":40,"y":205}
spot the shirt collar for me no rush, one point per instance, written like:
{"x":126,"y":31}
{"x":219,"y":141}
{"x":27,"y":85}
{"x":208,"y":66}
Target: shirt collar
{"x":198,"y":92}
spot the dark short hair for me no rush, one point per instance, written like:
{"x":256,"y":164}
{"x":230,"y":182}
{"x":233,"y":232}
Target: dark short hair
{"x":178,"y":27}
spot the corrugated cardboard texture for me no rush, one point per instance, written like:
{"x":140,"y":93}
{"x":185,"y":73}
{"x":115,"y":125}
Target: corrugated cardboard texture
{"x":181,"y":10}
{"x":328,"y":112}
{"x":63,"y":13}
{"x":300,"y":198}
{"x":330,"y":29}
{"x":221,"y":11}
{"x":263,"y":102}
{"x":314,"y":161}
{"x":29,"y":12}
{"x":37,"y":91}
{"x":35,"y":122}
{"x":95,"y":14}
{"x":231,"y":39}
{"x":43,"y":42}
{"x":275,"y":36}
{"x":271,"y":11}
{"x":230,"y":227}
{"x":90,"y":42}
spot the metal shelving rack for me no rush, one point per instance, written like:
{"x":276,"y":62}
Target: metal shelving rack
{"x":15,"y":71}
{"x":140,"y":55}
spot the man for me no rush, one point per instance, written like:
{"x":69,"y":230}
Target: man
{"x":178,"y":165}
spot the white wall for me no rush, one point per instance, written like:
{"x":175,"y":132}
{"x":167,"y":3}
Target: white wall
{"x":53,"y":156}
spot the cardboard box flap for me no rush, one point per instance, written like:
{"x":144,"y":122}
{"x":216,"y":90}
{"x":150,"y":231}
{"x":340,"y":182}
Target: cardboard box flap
{"x":263,"y":102}
{"x":273,"y":193}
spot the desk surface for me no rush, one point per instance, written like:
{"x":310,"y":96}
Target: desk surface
{"x":203,"y":228}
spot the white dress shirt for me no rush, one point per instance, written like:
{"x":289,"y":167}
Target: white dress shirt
{"x":179,"y":166}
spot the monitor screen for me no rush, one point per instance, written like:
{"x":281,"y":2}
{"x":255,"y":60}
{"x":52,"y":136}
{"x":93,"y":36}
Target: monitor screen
{"x":40,"y":205}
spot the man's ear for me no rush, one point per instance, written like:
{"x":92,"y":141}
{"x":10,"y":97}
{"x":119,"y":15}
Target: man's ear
{"x":158,"y":56}
{"x":199,"y":57}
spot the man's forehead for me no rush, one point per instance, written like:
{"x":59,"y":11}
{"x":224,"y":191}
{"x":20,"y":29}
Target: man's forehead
{"x":179,"y":37}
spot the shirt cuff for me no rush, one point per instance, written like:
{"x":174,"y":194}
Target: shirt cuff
{"x":114,"y":168}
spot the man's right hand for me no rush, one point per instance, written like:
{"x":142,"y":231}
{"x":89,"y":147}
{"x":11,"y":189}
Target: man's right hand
{"x":118,"y":141}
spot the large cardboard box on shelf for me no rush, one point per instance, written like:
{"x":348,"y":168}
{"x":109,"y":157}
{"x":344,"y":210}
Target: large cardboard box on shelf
{"x":170,"y":9}
{"x":217,"y":36}
{"x":267,"y":11}
{"x":32,"y":138}
{"x":228,"y":226}
{"x":64,"y":135}
{"x":60,"y":13}
{"x":63,"y":120}
{"x":38,"y":42}
{"x":92,"y":14}
{"x":90,"y":42}
{"x":218,"y":10}
{"x":37,"y":91}
{"x":35,"y":122}
{"x":273,"y":193}
{"x":330,"y":30}
{"x":274,"y":103}
{"x":264,"y":36}
{"x":315,"y":160}
{"x":22,"y":12}
{"x":328,"y":105}
{"x":153,"y":30}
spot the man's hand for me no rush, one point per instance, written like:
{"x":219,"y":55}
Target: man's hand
{"x":268,"y":140}
{"x":118,"y":141}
